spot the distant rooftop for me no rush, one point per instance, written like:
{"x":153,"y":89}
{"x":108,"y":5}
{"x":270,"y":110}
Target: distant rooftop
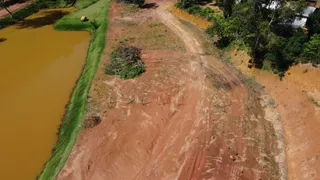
{"x":308,"y":11}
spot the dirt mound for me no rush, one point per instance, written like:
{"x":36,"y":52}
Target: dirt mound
{"x":189,"y":116}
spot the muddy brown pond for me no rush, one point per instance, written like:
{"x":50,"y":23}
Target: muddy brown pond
{"x":38,"y":70}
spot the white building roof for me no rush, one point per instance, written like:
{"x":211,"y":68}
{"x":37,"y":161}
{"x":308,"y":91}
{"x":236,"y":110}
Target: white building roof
{"x":299,"y":22}
{"x":308,"y":11}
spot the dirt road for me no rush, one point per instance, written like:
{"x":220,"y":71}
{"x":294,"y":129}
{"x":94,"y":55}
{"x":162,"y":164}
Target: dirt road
{"x":189,"y":116}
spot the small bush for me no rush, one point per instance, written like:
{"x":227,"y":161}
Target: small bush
{"x":28,"y":10}
{"x":312,"y":49}
{"x":210,"y":31}
{"x":266,"y":65}
{"x":194,"y":10}
{"x":126,"y":62}
{"x":7,"y":21}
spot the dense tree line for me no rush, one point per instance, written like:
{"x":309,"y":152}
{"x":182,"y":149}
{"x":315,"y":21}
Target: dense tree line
{"x":265,"y":27}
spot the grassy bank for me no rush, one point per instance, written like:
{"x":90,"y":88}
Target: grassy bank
{"x":40,"y":4}
{"x":71,"y":124}
{"x":23,"y":13}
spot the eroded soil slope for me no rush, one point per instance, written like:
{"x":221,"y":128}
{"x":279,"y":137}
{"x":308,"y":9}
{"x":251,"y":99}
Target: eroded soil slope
{"x":297,"y":98}
{"x":189,"y":116}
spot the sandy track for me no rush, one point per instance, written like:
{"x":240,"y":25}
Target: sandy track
{"x":189,"y":116}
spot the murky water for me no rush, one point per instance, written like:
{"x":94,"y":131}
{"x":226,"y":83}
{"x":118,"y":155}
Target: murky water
{"x":38,"y":70}
{"x":197,"y":20}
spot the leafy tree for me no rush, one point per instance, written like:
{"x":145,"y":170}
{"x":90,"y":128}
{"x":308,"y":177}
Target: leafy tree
{"x":294,"y":47}
{"x":226,"y":6}
{"x":313,"y":23}
{"x":312,"y":49}
{"x":254,"y":22}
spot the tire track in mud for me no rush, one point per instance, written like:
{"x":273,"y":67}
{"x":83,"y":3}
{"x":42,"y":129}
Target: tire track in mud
{"x":196,"y":124}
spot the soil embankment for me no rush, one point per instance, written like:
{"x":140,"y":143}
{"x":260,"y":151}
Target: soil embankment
{"x":189,"y":116}
{"x":297,"y":98}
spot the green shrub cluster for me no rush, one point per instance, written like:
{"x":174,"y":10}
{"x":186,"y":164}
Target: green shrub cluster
{"x":126,"y":62}
{"x":312,"y":49}
{"x":30,"y":9}
{"x":23,"y":13}
{"x":272,"y":42}
{"x":313,"y":23}
{"x":206,"y":12}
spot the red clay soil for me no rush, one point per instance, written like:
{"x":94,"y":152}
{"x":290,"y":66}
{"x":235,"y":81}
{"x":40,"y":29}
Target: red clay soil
{"x":15,"y":7}
{"x":297,"y":98}
{"x":189,"y":116}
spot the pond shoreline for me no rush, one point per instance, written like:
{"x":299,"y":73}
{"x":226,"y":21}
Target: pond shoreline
{"x":73,"y":118}
{"x":39,"y":70}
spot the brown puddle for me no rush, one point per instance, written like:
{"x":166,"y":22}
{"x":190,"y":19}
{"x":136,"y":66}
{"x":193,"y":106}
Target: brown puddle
{"x":38,"y":70}
{"x":197,"y":20}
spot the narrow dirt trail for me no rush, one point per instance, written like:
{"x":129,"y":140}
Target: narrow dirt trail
{"x":189,"y":116}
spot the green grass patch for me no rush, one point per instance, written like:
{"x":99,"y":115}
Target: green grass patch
{"x":74,"y":115}
{"x":72,"y":21}
{"x":81,"y":4}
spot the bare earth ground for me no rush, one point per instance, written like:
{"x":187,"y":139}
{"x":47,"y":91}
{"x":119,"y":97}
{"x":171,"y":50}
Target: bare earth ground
{"x":13,"y":8}
{"x":297,"y":98}
{"x":189,"y":116}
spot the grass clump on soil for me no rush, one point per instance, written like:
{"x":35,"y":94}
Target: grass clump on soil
{"x":314,"y":102}
{"x":126,"y":62}
{"x":74,"y":115}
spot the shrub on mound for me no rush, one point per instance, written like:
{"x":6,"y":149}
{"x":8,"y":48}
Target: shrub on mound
{"x":126,"y":62}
